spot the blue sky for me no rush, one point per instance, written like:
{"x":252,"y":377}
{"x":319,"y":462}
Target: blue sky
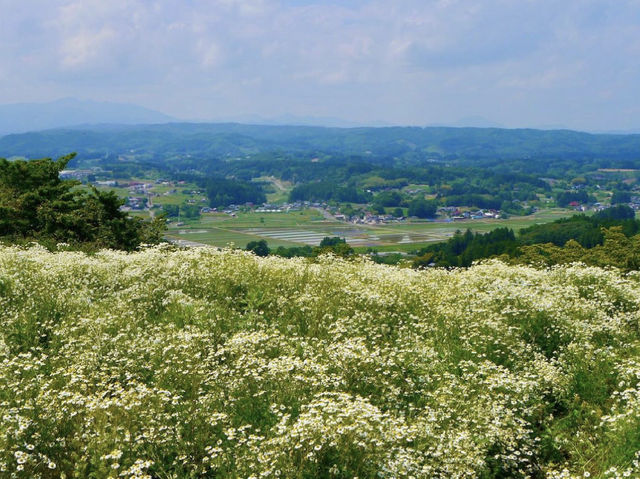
{"x":574,"y":63}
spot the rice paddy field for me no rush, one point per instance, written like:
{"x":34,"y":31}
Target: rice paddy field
{"x":182,"y":363}
{"x":309,"y":227}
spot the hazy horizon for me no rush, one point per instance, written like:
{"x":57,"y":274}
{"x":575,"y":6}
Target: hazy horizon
{"x":75,"y":113}
{"x":509,"y":64}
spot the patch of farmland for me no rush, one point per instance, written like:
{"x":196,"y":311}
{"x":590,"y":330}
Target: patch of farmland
{"x":314,"y":237}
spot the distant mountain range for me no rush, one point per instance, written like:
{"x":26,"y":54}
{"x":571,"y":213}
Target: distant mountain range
{"x":75,"y":113}
{"x":233,"y":140}
{"x":68,"y":112}
{"x":104,"y":129}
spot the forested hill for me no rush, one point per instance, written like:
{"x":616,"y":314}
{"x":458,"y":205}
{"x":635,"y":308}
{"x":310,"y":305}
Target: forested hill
{"x":408,"y":143}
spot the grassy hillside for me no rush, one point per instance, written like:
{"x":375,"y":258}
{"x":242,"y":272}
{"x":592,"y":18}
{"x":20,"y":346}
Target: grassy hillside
{"x":205,"y":363}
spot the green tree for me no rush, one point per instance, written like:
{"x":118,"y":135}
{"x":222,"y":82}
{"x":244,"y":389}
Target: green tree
{"x":620,"y":197}
{"x":259,"y":248}
{"x":36,"y":204}
{"x":332,"y":241}
{"x":334,"y":245}
{"x":388,"y":198}
{"x":423,"y":208}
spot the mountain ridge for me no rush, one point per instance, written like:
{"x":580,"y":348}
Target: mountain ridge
{"x":233,"y":140}
{"x":70,"y":112}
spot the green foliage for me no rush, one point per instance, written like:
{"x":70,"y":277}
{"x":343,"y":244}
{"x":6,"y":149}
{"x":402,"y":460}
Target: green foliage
{"x":189,"y":211}
{"x":608,"y":238}
{"x":552,"y":150}
{"x":515,"y":208}
{"x":390,"y":259}
{"x":423,"y":208}
{"x":260,"y":247}
{"x":374,"y":182}
{"x":465,"y":248}
{"x":320,"y":165}
{"x":172,"y":211}
{"x":389,"y":198}
{"x":206,"y":363}
{"x":333,"y":245}
{"x":619,"y":197}
{"x":184,"y":211}
{"x":619,"y":212}
{"x":586,"y":230}
{"x":475,"y":200}
{"x":36,"y":205}
{"x":328,"y":242}
{"x":328,"y":191}
{"x":348,"y":210}
{"x":617,"y":250}
{"x":377,"y":209}
{"x":423,"y":260}
{"x":579,"y":228}
{"x":293,"y":251}
{"x":224,"y":192}
{"x":565,"y":198}
{"x":329,"y":245}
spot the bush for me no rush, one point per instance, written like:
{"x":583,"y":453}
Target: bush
{"x":260,"y":248}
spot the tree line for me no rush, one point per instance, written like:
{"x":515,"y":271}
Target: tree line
{"x":580,"y":236}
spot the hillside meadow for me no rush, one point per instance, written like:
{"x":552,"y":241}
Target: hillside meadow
{"x":215,"y":363}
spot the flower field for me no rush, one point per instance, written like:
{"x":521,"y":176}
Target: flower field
{"x":208,"y":363}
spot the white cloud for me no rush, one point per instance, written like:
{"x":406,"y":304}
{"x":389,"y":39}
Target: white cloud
{"x":407,"y":61}
{"x":85,"y":47}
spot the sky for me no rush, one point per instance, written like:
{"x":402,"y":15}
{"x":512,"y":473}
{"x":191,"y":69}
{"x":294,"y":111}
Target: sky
{"x":517,"y":63}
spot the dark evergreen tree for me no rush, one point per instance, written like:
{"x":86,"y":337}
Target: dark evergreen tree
{"x":37,"y":205}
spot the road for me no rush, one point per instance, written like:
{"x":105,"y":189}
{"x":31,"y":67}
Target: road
{"x":326,"y":214}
